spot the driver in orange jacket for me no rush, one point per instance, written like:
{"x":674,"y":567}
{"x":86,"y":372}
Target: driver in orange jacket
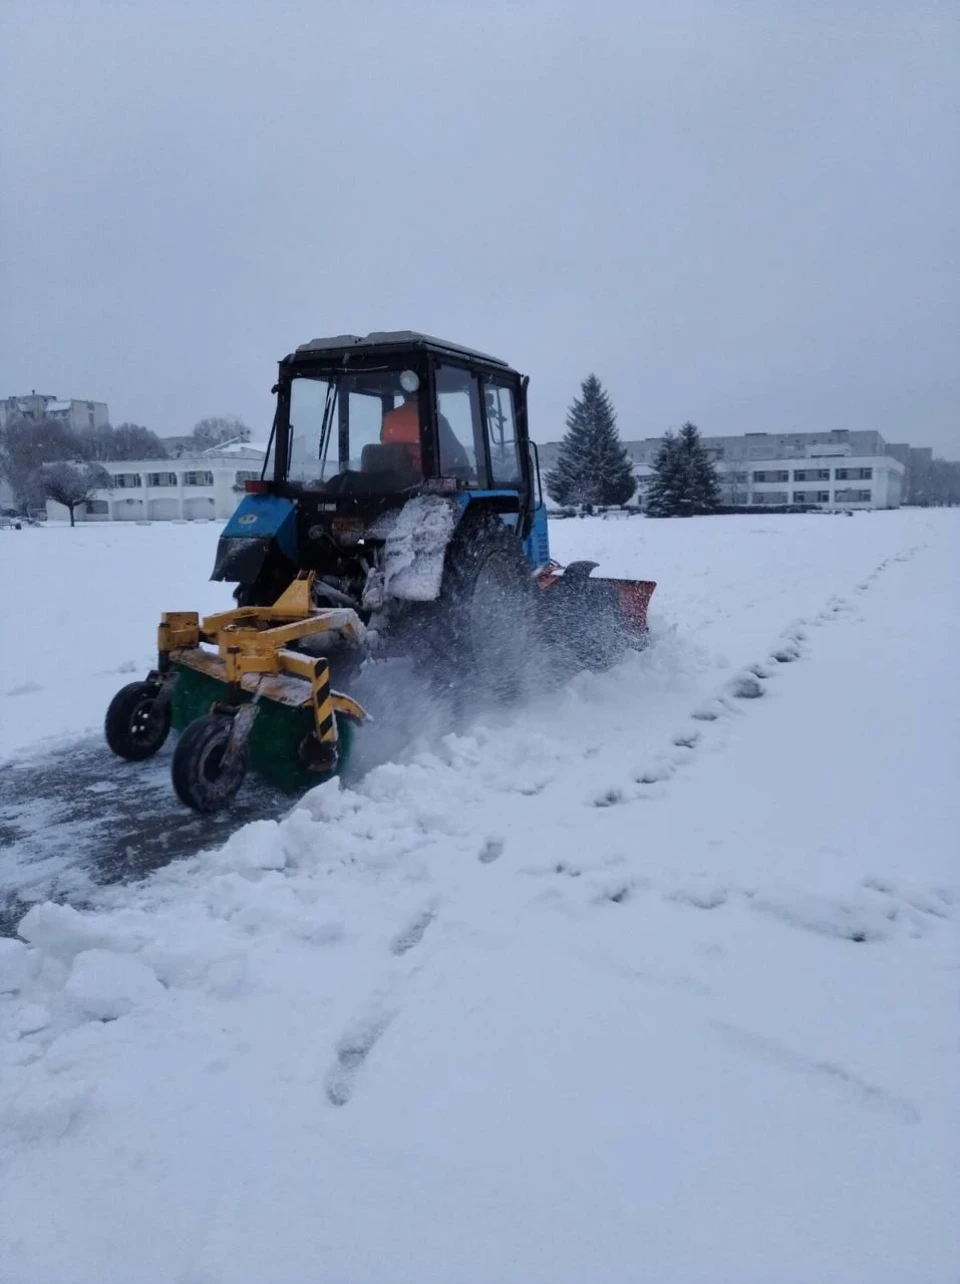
{"x":401,"y":426}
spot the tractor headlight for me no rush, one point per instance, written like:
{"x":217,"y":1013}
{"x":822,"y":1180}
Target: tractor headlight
{"x":409,"y":380}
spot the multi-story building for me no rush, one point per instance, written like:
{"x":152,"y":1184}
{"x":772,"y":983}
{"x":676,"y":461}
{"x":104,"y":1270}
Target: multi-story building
{"x":201,"y":487}
{"x":820,"y":481}
{"x":75,"y":413}
{"x":839,"y":468}
{"x":774,"y":445}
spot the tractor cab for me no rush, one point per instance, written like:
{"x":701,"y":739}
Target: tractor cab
{"x":362,"y":427}
{"x":390,"y":413}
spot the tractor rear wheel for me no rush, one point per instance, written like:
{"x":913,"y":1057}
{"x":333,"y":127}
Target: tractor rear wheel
{"x":134,"y":727}
{"x":199,"y":776}
{"x":485,"y":620}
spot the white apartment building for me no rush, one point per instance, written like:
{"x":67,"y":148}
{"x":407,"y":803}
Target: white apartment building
{"x":75,"y":413}
{"x":774,"y":445}
{"x":836,"y":469}
{"x":829,"y":481}
{"x":199,"y":488}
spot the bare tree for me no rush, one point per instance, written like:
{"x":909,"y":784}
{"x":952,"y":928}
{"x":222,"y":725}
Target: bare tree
{"x":73,"y":484}
{"x":26,"y":445}
{"x":942,"y":479}
{"x":219,"y":429}
{"x":126,"y":441}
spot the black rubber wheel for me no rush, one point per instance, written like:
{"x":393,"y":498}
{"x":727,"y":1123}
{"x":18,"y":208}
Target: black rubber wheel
{"x":484,"y":623}
{"x":134,"y":727}
{"x":197,"y":769}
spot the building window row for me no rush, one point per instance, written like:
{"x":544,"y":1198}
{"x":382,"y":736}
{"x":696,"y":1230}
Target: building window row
{"x":813,"y":474}
{"x":850,"y":495}
{"x":134,"y":481}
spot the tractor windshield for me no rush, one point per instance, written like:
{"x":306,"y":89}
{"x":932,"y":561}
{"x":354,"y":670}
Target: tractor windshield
{"x":362,"y":429}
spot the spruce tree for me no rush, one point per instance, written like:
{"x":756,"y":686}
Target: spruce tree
{"x":593,"y":466}
{"x":670,"y":484}
{"x":703,"y":492}
{"x":685,"y":480}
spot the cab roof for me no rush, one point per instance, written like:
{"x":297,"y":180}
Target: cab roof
{"x":391,"y":341}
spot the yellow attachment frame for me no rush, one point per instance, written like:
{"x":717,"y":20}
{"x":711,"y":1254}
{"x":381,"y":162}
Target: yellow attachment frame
{"x":252,"y":651}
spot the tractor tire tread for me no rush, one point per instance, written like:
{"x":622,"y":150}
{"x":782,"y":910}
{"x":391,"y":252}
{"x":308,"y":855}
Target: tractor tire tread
{"x":194,"y":784}
{"x":453,"y":638}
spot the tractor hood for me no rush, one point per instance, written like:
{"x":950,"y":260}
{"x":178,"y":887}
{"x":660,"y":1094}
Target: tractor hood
{"x":240,"y":558}
{"x":260,"y":524}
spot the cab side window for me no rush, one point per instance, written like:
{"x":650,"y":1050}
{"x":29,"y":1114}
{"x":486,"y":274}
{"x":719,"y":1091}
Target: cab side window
{"x":459,"y":426}
{"x":502,"y":432}
{"x":366,"y":421}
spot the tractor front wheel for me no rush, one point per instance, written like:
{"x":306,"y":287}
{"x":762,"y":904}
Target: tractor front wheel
{"x":135,"y":726}
{"x":200,"y":777}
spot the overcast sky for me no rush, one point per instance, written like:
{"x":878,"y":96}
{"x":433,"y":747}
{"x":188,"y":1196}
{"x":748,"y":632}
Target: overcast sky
{"x":744,"y":214}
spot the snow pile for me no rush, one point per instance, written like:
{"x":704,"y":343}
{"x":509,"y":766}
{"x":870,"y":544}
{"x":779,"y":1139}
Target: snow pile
{"x":652,"y":978}
{"x":105,"y":985}
{"x":17,"y":966}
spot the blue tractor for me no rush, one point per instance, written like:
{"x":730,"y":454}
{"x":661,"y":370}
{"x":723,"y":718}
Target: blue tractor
{"x":400,"y":469}
{"x":399,"y":511}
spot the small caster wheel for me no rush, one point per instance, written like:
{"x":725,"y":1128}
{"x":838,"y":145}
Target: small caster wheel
{"x":199,"y":776}
{"x":135,"y":727}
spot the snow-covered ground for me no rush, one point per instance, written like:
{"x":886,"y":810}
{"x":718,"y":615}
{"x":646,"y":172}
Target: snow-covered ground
{"x":653,"y":978}
{"x":80,"y":616}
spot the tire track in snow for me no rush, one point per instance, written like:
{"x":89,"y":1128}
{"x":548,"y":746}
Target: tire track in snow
{"x":875,"y":911}
{"x":748,"y":684}
{"x":353,"y":1049}
{"x":412,"y":934}
{"x":769,"y":1050}
{"x":358,"y":1040}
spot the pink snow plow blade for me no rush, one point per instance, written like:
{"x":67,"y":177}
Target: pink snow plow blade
{"x":634,"y":597}
{"x":577,"y":603}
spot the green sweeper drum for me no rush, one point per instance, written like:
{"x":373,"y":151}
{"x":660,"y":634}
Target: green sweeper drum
{"x":243,"y":693}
